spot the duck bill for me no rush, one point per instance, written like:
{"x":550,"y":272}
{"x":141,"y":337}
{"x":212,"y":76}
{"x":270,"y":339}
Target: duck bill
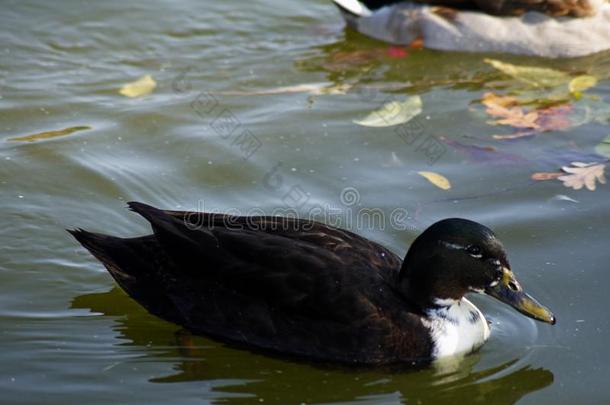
{"x":509,"y":291}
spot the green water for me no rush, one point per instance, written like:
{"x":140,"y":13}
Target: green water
{"x":69,"y":336}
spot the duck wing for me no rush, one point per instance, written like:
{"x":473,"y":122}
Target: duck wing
{"x":556,"y":8}
{"x":287,"y":285}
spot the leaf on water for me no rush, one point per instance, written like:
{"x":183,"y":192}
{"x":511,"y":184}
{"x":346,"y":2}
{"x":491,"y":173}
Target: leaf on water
{"x":581,"y":83}
{"x":314,"y":89}
{"x":438,"y":180}
{"x":603,"y":148}
{"x":554,"y":118}
{"x":493,"y":100}
{"x":141,"y":87}
{"x":534,"y":76}
{"x":508,"y":113}
{"x":583,"y":174}
{"x":541,"y":176}
{"x":516,"y":117}
{"x":49,"y":134}
{"x":393,"y":113}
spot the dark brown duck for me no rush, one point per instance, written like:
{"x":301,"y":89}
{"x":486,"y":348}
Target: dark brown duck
{"x":305,"y":289}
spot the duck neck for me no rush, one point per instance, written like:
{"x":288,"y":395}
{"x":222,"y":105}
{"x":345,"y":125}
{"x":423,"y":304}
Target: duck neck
{"x":456,"y":327}
{"x":424,"y":296}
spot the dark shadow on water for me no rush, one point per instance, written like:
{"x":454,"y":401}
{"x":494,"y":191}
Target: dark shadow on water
{"x":250,"y":375}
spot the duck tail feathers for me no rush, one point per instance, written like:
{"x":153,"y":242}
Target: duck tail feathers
{"x":136,"y":265}
{"x":116,"y":254}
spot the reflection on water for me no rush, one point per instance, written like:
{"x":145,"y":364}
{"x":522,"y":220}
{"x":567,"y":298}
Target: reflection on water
{"x":361,"y":62}
{"x":277,"y":381}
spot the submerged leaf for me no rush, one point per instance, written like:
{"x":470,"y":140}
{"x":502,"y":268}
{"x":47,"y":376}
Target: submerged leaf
{"x":493,"y":100}
{"x":536,"y":121}
{"x":393,"y":113}
{"x":603,"y":148}
{"x":438,"y":180}
{"x":141,"y":87}
{"x":583,"y":174}
{"x":554,"y":118}
{"x":516,"y":117}
{"x":534,"y":76}
{"x":49,"y":134}
{"x":483,"y":154}
{"x":509,"y":113}
{"x":541,"y":176}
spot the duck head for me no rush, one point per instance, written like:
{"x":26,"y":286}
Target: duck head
{"x":454,"y":257}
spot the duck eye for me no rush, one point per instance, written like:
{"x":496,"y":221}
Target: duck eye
{"x":474,"y":250}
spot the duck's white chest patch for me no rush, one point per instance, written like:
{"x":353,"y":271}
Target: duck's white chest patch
{"x":456,"y":327}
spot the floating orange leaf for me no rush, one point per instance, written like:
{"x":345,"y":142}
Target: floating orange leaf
{"x":508,"y":113}
{"x":541,"y":176}
{"x":491,"y":100}
{"x":554,"y":118}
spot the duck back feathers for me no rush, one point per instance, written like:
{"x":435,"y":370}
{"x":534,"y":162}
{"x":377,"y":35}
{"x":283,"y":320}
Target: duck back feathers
{"x":297,"y":287}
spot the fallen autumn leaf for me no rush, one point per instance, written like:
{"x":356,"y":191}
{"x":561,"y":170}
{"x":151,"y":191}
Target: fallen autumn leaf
{"x":393,"y":113}
{"x":141,"y":87}
{"x":438,"y":180}
{"x":583,"y":174}
{"x":48,"y":134}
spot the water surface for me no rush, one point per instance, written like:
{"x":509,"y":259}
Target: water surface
{"x":69,"y":335}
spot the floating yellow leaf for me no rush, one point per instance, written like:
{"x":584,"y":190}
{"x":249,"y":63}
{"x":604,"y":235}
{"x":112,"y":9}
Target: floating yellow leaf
{"x":48,"y":134}
{"x":393,"y":113}
{"x":141,"y":87}
{"x":535,"y":76}
{"x":438,"y":180}
{"x":583,"y":174}
{"x":581,"y":83}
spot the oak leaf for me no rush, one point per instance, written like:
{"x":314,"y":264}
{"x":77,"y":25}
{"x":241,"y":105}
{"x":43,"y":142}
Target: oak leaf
{"x":583,"y":174}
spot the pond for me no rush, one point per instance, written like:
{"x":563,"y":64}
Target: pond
{"x":254,"y":107}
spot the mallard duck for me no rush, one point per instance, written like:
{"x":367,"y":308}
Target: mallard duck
{"x":305,"y":289}
{"x":547,"y":28}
